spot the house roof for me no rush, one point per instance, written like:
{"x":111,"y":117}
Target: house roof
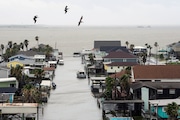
{"x":156,"y":85}
{"x":20,"y":56}
{"x":109,"y":49}
{"x":46,"y":83}
{"x":156,"y":72}
{"x":120,"y":54}
{"x":26,"y":61}
{"x":49,"y":68}
{"x":118,"y":74}
{"x":137,"y":85}
{"x":7,"y":79}
{"x":164,"y":102}
{"x":98,"y":44}
{"x":8,"y":90}
{"x":122,"y":64}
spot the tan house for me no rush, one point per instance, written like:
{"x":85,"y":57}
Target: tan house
{"x":116,"y":61}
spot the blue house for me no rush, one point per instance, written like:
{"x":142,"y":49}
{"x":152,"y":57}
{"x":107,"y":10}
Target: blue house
{"x":8,"y":87}
{"x":19,"y":57}
{"x":157,"y":107}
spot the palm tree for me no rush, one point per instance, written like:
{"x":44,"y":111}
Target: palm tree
{"x":48,"y":51}
{"x":37,"y":39}
{"x":172,"y":110}
{"x":26,"y":43}
{"x":131,"y":47}
{"x":127,"y":43}
{"x":109,"y":87}
{"x":17,"y":72}
{"x":10,"y":44}
{"x":22,"y":46}
{"x":149,"y":47}
{"x":144,"y":57}
{"x":31,"y":94}
{"x":156,"y":45}
{"x":39,"y":74}
{"x":125,"y":84}
{"x":91,"y":58}
{"x":15,"y":48}
{"x":2,"y":48}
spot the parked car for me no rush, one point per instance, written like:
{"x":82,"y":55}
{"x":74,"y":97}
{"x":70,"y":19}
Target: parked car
{"x":53,"y":85}
{"x":173,"y":61}
{"x":61,"y":62}
{"x":81,"y":74}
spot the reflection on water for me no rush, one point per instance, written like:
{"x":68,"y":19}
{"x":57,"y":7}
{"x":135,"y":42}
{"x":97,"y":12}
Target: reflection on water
{"x":72,"y":99}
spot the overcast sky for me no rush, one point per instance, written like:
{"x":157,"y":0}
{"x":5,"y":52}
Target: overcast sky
{"x":94,"y":12}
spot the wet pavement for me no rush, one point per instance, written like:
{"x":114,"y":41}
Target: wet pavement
{"x":72,"y":98}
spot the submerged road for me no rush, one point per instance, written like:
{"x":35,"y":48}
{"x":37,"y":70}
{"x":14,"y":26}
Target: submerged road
{"x":72,"y":99}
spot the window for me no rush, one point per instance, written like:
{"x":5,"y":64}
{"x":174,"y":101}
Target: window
{"x":111,"y":67}
{"x":157,"y":80}
{"x":163,"y":109}
{"x":171,"y":91}
{"x":12,"y":85}
{"x":160,"y":91}
{"x":124,"y":60}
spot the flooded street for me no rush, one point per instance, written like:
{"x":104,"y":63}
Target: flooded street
{"x":72,"y":99}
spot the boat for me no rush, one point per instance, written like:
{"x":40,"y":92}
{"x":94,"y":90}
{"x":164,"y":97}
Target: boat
{"x":81,"y":74}
{"x":76,"y":54}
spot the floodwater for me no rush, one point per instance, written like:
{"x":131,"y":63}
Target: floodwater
{"x":72,"y":98}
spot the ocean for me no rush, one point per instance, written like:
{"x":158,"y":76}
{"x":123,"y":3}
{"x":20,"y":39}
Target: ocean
{"x":74,"y":39}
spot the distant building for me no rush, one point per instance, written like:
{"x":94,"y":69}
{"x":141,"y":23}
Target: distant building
{"x":139,"y":49}
{"x":98,"y":44}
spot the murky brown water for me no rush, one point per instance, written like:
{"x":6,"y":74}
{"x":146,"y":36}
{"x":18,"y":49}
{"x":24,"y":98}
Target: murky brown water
{"x":72,"y":99}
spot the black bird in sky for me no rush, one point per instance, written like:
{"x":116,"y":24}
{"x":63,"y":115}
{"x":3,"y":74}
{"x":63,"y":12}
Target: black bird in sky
{"x":66,"y":9}
{"x":35,"y":17}
{"x":80,"y":21}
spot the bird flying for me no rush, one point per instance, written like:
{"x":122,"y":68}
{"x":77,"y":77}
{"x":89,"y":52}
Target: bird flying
{"x":35,"y":17}
{"x":66,"y":9}
{"x":80,"y":21}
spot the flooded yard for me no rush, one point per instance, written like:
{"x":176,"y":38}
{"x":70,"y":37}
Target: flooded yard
{"x":72,"y":98}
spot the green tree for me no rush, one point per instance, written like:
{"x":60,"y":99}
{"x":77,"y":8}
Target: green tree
{"x":26,"y":43}
{"x":172,"y":110}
